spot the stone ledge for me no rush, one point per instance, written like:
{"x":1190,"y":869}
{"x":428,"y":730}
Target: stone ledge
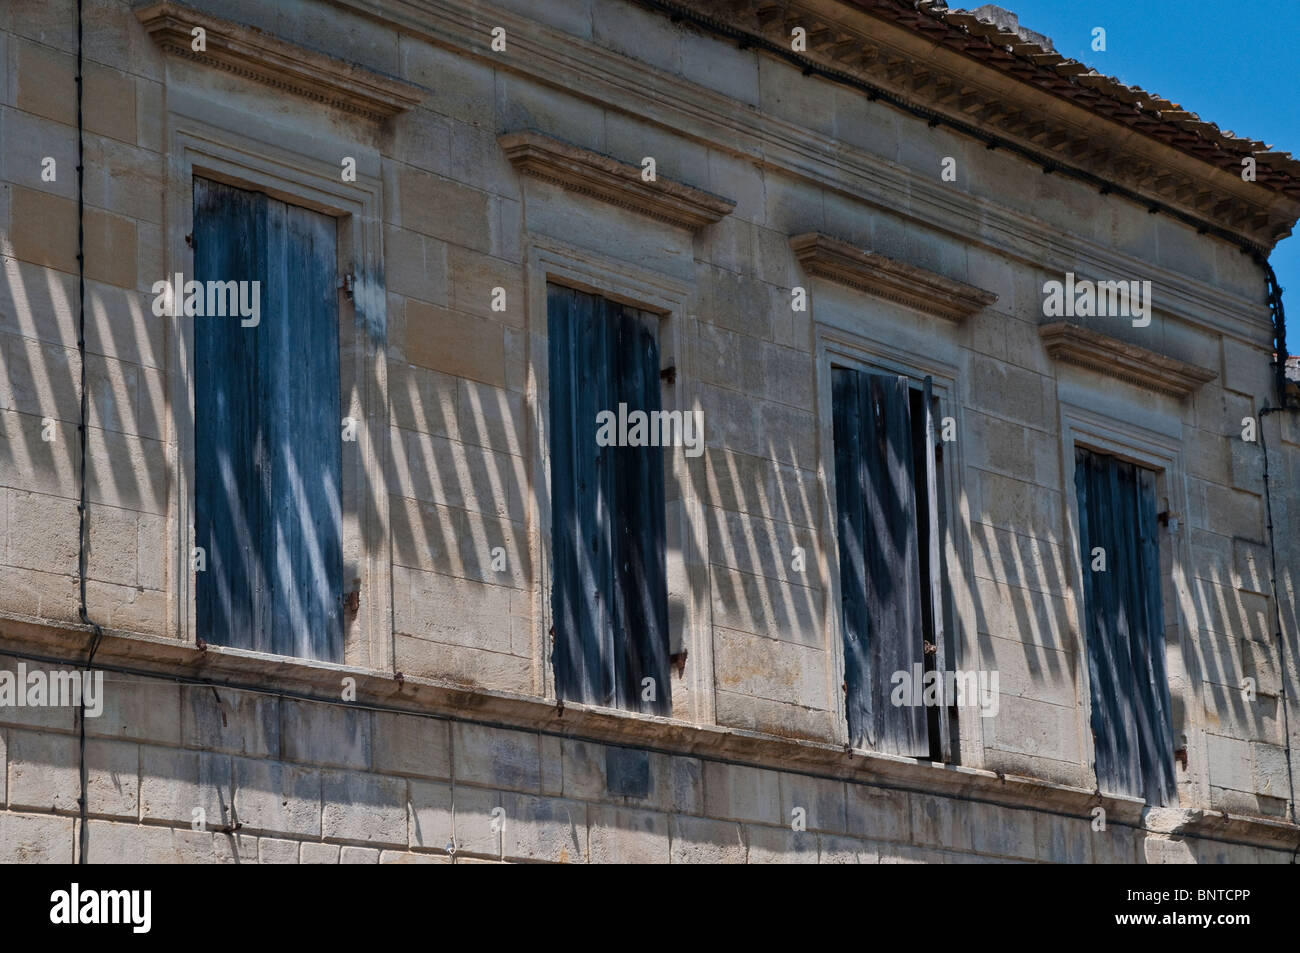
{"x":1085,"y":347}
{"x":152,"y":656}
{"x":255,"y":54}
{"x":609,"y":180}
{"x":918,"y":288}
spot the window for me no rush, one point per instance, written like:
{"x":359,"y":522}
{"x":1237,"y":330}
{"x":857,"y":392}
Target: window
{"x":267,"y":470}
{"x":888,"y":525}
{"x":1125,"y":628}
{"x":609,"y":594}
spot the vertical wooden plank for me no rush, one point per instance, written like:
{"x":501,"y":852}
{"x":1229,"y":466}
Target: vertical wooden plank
{"x":580,"y":358}
{"x":1152,"y":684}
{"x":303,"y":430}
{"x":933,"y":561}
{"x":1123,"y":578}
{"x":641,"y":625}
{"x":893,"y":570}
{"x":1094,"y":516}
{"x":566,"y":652}
{"x":851,"y":533}
{"x":230,"y":594}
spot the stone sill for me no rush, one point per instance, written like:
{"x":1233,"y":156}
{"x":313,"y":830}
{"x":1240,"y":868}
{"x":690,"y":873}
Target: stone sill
{"x":239,"y":669}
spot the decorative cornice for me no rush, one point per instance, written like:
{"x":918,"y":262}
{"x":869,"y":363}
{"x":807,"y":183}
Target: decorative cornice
{"x":1084,"y":347}
{"x":887,"y":278}
{"x":921,"y":63}
{"x":252,"y":53}
{"x":607,"y":179}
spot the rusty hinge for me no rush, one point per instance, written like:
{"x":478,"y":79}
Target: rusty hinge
{"x":678,"y":661}
{"x":189,"y":239}
{"x":668,"y":375}
{"x":1180,"y":755}
{"x":352,"y":600}
{"x":347,"y":283}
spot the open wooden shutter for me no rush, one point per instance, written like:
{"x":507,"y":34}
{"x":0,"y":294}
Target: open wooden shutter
{"x":931,"y":557}
{"x":1133,"y":747}
{"x":641,"y":601}
{"x":879,"y":559}
{"x":268,"y":504}
{"x":609,"y":591}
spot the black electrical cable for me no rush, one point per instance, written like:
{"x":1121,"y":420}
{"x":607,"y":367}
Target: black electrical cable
{"x":1277,"y":609}
{"x":97,"y":633}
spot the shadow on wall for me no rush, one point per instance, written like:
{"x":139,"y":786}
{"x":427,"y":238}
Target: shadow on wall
{"x":460,"y":471}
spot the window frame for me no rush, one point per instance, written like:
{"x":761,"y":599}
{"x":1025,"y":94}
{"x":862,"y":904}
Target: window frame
{"x":235,"y":148}
{"x":837,"y":347}
{"x":1161,"y":452}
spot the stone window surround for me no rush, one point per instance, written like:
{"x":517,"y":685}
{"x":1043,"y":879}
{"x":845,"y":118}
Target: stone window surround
{"x":230,"y":153}
{"x":551,"y":261}
{"x":1163,"y":453}
{"x":842,"y":348}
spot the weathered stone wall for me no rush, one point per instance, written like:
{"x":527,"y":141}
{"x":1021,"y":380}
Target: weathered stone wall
{"x":289,"y":781}
{"x":455,"y":457}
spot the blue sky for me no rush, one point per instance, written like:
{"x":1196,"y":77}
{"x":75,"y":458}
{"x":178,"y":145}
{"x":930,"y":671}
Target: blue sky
{"x":1236,"y":64}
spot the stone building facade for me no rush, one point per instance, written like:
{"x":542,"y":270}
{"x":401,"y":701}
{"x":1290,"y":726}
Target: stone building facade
{"x":787,"y":187}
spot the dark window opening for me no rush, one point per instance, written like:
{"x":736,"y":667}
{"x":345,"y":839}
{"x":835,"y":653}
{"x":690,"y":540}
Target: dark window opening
{"x":267,"y":439}
{"x":609,"y":589}
{"x":1123,"y":607}
{"x":890,"y":529}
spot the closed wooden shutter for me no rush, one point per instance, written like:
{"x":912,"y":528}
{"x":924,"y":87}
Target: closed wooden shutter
{"x":880,"y":573}
{"x":1133,"y":739}
{"x":268,"y":476}
{"x":609,"y":591}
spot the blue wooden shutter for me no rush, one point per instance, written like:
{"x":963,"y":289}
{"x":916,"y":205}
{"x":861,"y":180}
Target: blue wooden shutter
{"x":267,"y":430}
{"x":880,"y":574}
{"x":1133,"y":745}
{"x":609,"y":591}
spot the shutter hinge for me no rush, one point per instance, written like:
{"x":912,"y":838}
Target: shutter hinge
{"x":352,"y":600}
{"x":1166,"y":518}
{"x":669,"y":375}
{"x":189,"y":239}
{"x":1180,"y":755}
{"x":347,"y":283}
{"x":678,"y":661}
